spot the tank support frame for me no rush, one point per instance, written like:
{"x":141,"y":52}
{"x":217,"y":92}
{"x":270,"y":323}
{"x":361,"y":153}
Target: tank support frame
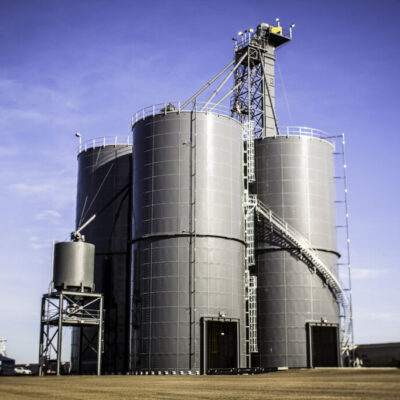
{"x":65,"y":309}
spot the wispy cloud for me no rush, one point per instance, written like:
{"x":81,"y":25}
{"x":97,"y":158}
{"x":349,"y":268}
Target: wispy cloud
{"x":8,"y":151}
{"x":39,"y":246}
{"x":47,"y":214}
{"x":367,"y":273}
{"x":22,"y":115}
{"x":37,"y":103}
{"x":56,"y":192}
{"x":378,"y":316}
{"x":26,"y":189}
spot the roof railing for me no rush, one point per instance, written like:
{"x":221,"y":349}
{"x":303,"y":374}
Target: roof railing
{"x":252,"y":38}
{"x":175,"y":107}
{"x":307,"y":131}
{"x":104,"y":141}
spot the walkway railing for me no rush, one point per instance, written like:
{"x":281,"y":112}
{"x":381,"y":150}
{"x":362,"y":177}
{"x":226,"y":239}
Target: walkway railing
{"x":247,"y":38}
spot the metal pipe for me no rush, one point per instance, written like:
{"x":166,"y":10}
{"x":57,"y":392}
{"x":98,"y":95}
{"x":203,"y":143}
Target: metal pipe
{"x":52,"y":267}
{"x":80,"y":349}
{"x":41,"y":358}
{"x":59,"y":338}
{"x":224,"y":81}
{"x":86,"y":223}
{"x":223,"y":98}
{"x":207,"y":85}
{"x":100,"y":336}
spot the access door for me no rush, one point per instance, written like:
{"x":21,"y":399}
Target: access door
{"x":323,"y":346}
{"x":221,"y":344}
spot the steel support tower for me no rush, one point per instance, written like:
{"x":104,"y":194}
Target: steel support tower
{"x":253,"y":97}
{"x":70,"y":308}
{"x":253,"y":103}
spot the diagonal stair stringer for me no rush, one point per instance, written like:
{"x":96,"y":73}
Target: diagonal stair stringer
{"x":296,"y":240}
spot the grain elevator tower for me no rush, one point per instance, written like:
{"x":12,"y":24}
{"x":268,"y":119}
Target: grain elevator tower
{"x":294,"y":298}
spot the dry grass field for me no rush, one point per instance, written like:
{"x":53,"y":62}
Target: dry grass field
{"x":292,"y":384}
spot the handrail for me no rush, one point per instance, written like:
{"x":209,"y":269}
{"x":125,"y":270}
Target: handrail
{"x":104,"y":141}
{"x":251,"y":38}
{"x":299,"y":241}
{"x":175,"y":107}
{"x":307,"y":131}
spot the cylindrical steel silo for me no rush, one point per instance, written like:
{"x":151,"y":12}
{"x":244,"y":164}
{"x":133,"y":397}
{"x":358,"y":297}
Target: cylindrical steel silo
{"x":104,"y":189}
{"x":188,"y":243}
{"x":295,"y":179}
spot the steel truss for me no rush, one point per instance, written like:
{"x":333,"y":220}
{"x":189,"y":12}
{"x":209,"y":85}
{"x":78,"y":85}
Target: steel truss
{"x":65,"y":309}
{"x":247,"y":101}
{"x":253,"y":86}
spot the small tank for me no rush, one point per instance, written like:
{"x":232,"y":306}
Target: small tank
{"x":74,"y":266}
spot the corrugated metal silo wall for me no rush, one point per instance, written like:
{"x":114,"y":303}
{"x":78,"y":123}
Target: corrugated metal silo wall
{"x":295,"y":178}
{"x":169,"y":176}
{"x":104,"y":189}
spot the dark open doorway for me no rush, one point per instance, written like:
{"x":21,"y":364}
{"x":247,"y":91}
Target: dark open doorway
{"x":323,"y":345}
{"x":220,"y":344}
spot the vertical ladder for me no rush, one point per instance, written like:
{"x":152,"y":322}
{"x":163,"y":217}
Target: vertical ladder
{"x":344,"y":267}
{"x":252,"y":294}
{"x":192,"y":240}
{"x":249,"y":139}
{"x":249,"y":204}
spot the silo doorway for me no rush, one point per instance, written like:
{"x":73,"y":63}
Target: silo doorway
{"x":323,"y":345}
{"x":220,"y":344}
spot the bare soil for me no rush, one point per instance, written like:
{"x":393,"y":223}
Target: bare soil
{"x":343,"y":383}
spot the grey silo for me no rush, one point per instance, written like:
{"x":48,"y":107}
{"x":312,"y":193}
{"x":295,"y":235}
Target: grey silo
{"x":187,"y":235}
{"x":295,"y":178}
{"x":104,"y":189}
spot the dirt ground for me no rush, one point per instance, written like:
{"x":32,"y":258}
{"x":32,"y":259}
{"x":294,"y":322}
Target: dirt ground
{"x":382,"y":383}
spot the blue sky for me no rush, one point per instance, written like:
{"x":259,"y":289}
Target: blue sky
{"x":88,"y":65}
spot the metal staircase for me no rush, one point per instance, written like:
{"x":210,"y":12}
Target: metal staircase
{"x":292,"y":239}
